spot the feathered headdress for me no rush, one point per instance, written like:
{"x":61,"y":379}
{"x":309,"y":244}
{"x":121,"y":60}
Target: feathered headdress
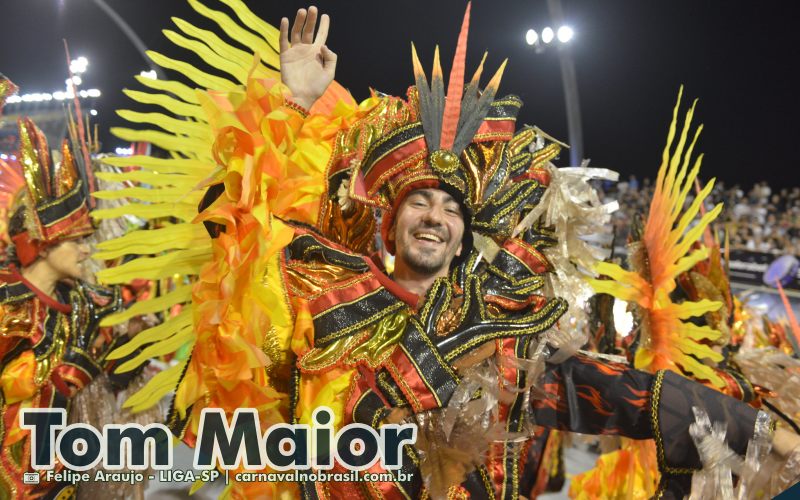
{"x":53,"y":207}
{"x":458,"y":142}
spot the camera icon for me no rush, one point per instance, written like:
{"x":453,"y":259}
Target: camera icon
{"x":30,"y":478}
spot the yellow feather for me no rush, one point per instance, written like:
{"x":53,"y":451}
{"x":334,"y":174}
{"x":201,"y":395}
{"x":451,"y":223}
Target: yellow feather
{"x":184,"y":145}
{"x":255,"y":23}
{"x":700,"y":371}
{"x":686,"y":263}
{"x":188,"y":166}
{"x":161,"y":348}
{"x":160,"y":195}
{"x":183,"y":92}
{"x":197,"y":130}
{"x":690,"y":214}
{"x":209,"y":56}
{"x":171,"y":104}
{"x":698,"y":332}
{"x":267,"y":53}
{"x":243,"y":60}
{"x":179,"y":295}
{"x":670,"y":136}
{"x":670,"y":186}
{"x":156,"y":388}
{"x":201,"y":78}
{"x":689,"y":309}
{"x":182,"y":235}
{"x":152,"y":178}
{"x":688,"y":184}
{"x":182,"y":211}
{"x":617,"y":290}
{"x":157,"y":333}
{"x":154,"y":268}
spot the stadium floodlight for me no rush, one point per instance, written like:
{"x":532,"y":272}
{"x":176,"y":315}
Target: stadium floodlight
{"x":124,"y":151}
{"x":547,"y":35}
{"x":149,"y":74}
{"x":93,"y":112}
{"x":565,"y":34}
{"x":58,"y":95}
{"x":79,"y":65}
{"x":531,"y":37}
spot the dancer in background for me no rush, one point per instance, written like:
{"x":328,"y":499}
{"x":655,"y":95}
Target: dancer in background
{"x":51,"y":344}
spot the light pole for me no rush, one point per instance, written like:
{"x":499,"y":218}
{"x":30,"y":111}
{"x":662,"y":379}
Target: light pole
{"x":569,"y":80}
{"x":132,"y":36}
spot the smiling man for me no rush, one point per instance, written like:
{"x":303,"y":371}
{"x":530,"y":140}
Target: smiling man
{"x":427,"y":234}
{"x":443,"y":167}
{"x":303,"y":315}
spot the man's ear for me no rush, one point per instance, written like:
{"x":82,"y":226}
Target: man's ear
{"x":458,"y":252}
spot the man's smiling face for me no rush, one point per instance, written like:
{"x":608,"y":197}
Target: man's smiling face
{"x":428,"y":229}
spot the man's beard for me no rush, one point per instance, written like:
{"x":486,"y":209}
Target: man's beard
{"x":421,"y":263}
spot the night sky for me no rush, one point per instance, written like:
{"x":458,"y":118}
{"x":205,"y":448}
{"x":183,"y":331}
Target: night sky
{"x":740,"y":59}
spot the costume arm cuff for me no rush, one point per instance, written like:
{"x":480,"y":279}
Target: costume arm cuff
{"x":673,"y":398}
{"x":300,"y":110}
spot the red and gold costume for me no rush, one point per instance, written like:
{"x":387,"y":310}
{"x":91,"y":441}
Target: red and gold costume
{"x":291,"y":310}
{"x":50,"y":347}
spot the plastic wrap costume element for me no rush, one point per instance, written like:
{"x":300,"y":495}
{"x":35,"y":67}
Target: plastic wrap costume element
{"x":50,"y":349}
{"x":290,"y":313}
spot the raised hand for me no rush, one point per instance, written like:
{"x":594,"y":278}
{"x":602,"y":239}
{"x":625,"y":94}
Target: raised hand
{"x":307,"y":64}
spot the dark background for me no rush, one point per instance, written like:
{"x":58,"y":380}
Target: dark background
{"x":739,"y":58}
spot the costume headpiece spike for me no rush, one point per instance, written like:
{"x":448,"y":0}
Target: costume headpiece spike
{"x":494,"y":83}
{"x":436,"y":105}
{"x":474,"y":116}
{"x":476,"y":77}
{"x":469,"y":103}
{"x":419,"y":73}
{"x":7,"y":89}
{"x":423,"y":95}
{"x":31,"y":160}
{"x":66,"y":172}
{"x":455,"y":87}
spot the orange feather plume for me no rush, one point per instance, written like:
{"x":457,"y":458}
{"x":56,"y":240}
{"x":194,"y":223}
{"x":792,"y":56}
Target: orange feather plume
{"x":455,"y":88}
{"x":671,"y":231}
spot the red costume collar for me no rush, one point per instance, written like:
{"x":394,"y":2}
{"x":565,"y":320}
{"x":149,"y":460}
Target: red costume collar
{"x":410,"y":298}
{"x":47,"y":300}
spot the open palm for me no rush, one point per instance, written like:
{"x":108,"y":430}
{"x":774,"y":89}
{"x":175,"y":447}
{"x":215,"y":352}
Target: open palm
{"x":307,"y":65}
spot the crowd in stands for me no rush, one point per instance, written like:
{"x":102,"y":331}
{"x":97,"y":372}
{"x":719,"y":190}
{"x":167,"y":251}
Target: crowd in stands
{"x":761,"y":219}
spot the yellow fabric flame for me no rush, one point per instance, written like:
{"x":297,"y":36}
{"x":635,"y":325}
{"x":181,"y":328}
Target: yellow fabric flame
{"x":630,"y":473}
